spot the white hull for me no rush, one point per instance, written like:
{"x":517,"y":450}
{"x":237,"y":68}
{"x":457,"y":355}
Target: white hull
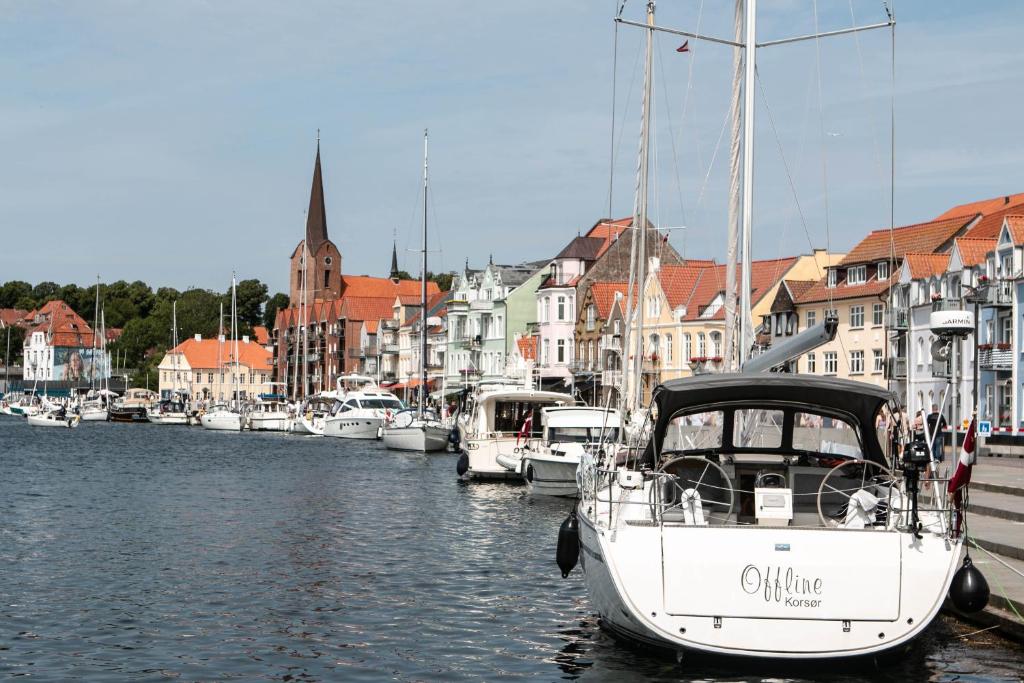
{"x":483,"y":458}
{"x":551,"y":475}
{"x":314,"y":427}
{"x":764,"y":592}
{"x":24,"y":411}
{"x":53,"y":421}
{"x":367,"y":427}
{"x":421,"y":438}
{"x":222,"y":421}
{"x":93,"y":414}
{"x":168,"y":418}
{"x":270,"y":422}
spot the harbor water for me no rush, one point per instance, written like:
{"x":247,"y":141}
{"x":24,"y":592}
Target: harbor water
{"x":138,"y":552}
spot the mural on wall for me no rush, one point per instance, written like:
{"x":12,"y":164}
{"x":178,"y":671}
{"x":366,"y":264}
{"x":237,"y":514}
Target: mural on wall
{"x":76,"y":364}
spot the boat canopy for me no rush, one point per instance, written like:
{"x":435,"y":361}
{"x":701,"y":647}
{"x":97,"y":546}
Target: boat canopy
{"x":788,"y":398}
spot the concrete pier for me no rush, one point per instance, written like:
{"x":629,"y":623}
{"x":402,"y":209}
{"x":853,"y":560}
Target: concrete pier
{"x":995,"y":523}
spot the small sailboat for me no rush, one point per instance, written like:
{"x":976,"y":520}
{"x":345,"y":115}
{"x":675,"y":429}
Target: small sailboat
{"x":56,"y":417}
{"x":227,"y":416}
{"x":173,"y":410}
{"x":420,"y":429}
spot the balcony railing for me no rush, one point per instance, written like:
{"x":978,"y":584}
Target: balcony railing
{"x":947,"y":305}
{"x":389,"y":324}
{"x":897,"y":368}
{"x":611,"y":378}
{"x":389,"y":348}
{"x":1000,"y":293}
{"x":577,"y":367}
{"x":897,"y":319}
{"x":995,"y":359}
{"x":368,"y":350}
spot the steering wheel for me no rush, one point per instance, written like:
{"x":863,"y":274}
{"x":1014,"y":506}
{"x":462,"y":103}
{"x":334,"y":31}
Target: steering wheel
{"x":880,"y":470}
{"x":703,"y":465}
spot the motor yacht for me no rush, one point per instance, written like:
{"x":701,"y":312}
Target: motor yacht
{"x":550,"y":463}
{"x":360,"y":409}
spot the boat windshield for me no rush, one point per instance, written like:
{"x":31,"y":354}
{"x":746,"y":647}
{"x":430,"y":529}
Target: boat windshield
{"x":381,"y":403}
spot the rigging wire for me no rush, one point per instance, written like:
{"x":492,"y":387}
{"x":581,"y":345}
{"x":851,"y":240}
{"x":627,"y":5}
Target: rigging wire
{"x":675,"y":156}
{"x":611,"y":142}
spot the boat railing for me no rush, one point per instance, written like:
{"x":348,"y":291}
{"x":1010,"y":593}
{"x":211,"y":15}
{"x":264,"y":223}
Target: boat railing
{"x":670,"y":503}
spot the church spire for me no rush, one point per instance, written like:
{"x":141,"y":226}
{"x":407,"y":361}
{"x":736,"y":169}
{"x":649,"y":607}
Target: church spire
{"x":394,"y":261}
{"x":316,"y":217}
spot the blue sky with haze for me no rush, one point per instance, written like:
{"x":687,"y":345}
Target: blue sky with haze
{"x":174,"y":142}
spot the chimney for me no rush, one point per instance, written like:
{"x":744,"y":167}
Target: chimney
{"x":1006,"y":199}
{"x":245,"y":339}
{"x":199,"y":337}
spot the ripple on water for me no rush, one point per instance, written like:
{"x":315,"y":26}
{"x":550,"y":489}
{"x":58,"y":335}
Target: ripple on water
{"x":146,"y":553}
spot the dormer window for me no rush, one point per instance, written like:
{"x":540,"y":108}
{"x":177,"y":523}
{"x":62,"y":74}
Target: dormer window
{"x":883,"y":270}
{"x":833,"y":277}
{"x":857,"y":275}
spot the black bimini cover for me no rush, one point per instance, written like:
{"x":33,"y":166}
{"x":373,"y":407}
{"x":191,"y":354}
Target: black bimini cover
{"x":857,"y":400}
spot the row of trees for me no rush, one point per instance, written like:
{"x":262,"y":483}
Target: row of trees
{"x":146,"y":315}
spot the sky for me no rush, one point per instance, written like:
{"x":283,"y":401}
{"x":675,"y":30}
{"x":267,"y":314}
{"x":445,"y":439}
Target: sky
{"x":174,"y":142}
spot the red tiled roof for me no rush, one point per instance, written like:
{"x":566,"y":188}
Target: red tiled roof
{"x":527,"y":347}
{"x":12,"y":316}
{"x":678,"y":282}
{"x":261,"y":334}
{"x":821,"y":292}
{"x":985,"y":206}
{"x":763,"y":276}
{"x":1016,"y":227}
{"x":367,"y":308}
{"x":371,"y":326}
{"x":203,"y":354}
{"x":603,"y":294}
{"x":799,"y":287}
{"x":921,"y":238}
{"x":433,"y":301}
{"x":63,"y":326}
{"x":608,"y":232}
{"x":974,"y":250}
{"x":924,"y":266}
{"x":363,"y":285}
{"x":992,"y":223}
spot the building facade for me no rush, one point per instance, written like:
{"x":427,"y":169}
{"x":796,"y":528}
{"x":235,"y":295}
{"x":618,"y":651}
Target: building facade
{"x":207,"y":371}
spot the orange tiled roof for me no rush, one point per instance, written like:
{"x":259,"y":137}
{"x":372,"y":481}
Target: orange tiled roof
{"x":821,"y":292}
{"x":974,"y":250}
{"x":1016,"y":226}
{"x":678,"y":282}
{"x":203,"y":354}
{"x":603,"y":294}
{"x":799,"y":287}
{"x":608,"y":231}
{"x":527,"y":347}
{"x":992,"y":223}
{"x":921,"y":238}
{"x":364,"y":285}
{"x":371,"y":326}
{"x":763,"y":276}
{"x":367,"y":308}
{"x":261,"y":334}
{"x":923,"y":266}
{"x":63,"y":326}
{"x":985,"y":206}
{"x":12,"y":316}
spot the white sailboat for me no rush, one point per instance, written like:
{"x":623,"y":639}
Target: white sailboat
{"x":174,"y":409}
{"x":420,"y":430}
{"x":731,"y":532}
{"x":227,"y":416}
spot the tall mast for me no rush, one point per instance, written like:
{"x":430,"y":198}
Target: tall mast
{"x":423,"y":286}
{"x":220,"y":356}
{"x":304,"y":318}
{"x":731,"y":355}
{"x":749,"y":63}
{"x":234,"y":343}
{"x":174,"y":343}
{"x":638,"y":274}
{"x":95,"y":323}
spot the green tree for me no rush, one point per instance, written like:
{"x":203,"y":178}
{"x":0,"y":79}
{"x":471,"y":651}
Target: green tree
{"x":45,"y":291}
{"x":17,"y":344}
{"x":273,"y":305}
{"x":13,"y":292}
{"x":249,"y":297}
{"x":443,"y":280}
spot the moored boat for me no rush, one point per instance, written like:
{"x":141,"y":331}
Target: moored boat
{"x":415,"y":430}
{"x":54,"y":418}
{"x":360,"y":409}
{"x":550,"y":463}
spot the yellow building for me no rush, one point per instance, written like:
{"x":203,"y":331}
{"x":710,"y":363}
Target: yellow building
{"x":205,"y":370}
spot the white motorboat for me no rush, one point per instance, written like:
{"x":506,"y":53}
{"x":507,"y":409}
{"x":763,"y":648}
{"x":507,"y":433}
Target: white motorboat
{"x":550,"y":463}
{"x":733,"y":533}
{"x":311,"y":418}
{"x":270,"y":416}
{"x":500,"y":421}
{"x":54,"y":418}
{"x":360,"y":409}
{"x":222,"y":417}
{"x":412,"y":430}
{"x":169,"y":412}
{"x":93,"y":411}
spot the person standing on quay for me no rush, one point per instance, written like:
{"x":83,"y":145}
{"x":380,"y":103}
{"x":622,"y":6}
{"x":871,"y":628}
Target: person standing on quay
{"x":936,"y":426}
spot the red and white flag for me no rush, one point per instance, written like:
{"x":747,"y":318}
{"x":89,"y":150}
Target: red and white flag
{"x":962,"y":475}
{"x":524,"y":431}
{"x":685,"y":47}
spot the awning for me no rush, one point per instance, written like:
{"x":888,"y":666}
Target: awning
{"x":411,"y":384}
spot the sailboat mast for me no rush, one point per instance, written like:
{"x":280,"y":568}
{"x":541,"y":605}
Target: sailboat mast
{"x":640,"y":213}
{"x":731,"y":355}
{"x":220,"y":355}
{"x":95,"y":322}
{"x":174,"y":343}
{"x":234,"y":342}
{"x":746,"y":336}
{"x":423,"y":285}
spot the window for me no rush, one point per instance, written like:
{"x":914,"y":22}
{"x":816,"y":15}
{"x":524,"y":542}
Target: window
{"x":327,"y":278}
{"x":702,"y":346}
{"x":920,"y":352}
{"x":812,"y":318}
{"x":877,"y":314}
{"x":856,"y":275}
{"x":833,"y":277}
{"x":811,"y":363}
{"x":856,"y":316}
{"x":757,"y":428}
{"x":1007,"y":329}
{"x":546,"y":352}
{"x":591,"y":317}
{"x":856,"y":362}
{"x":686,"y":347}
{"x":791,"y":323}
{"x":561,"y":308}
{"x":616,"y":327}
{"x":879,"y":362}
{"x":883,"y":270}
{"x":668,"y":348}
{"x":716,"y":344}
{"x":778,"y":325}
{"x":210,"y":380}
{"x":545,"y":309}
{"x":655,"y":346}
{"x":695,"y":431}
{"x":831,"y":363}
{"x":825,"y":434}
{"x":561,"y":351}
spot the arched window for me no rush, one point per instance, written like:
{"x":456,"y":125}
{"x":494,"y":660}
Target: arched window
{"x":716,"y":344}
{"x":668,"y":348}
{"x":655,"y":349}
{"x":920,"y":351}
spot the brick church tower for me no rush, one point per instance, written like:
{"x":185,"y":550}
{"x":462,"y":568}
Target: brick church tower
{"x":322,"y":272}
